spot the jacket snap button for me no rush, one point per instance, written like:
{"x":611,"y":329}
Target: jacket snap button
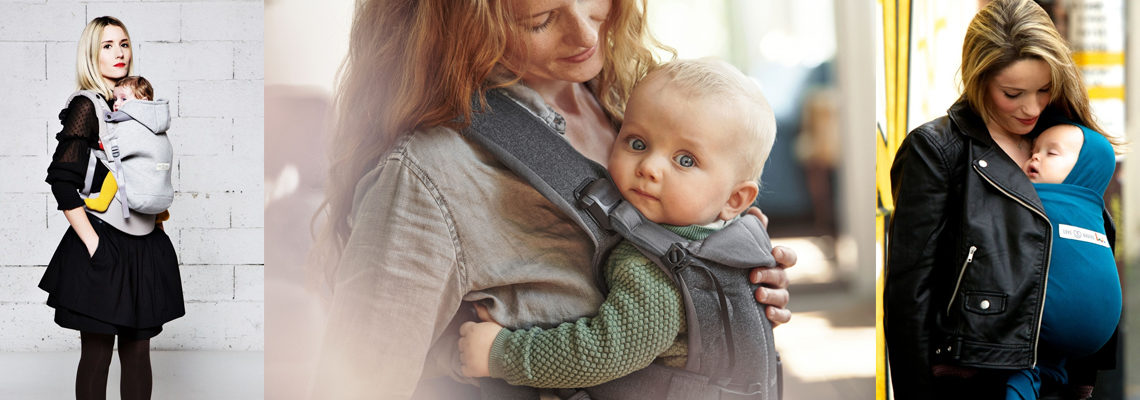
{"x":985,"y":304}
{"x":983,"y":163}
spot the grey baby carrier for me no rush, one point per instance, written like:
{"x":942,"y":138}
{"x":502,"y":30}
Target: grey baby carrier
{"x":139,"y":155}
{"x":731,"y":348}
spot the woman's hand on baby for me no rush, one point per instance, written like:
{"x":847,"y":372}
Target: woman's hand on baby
{"x":774,"y":281}
{"x":774,"y":289}
{"x":759,"y":214}
{"x":475,"y":340}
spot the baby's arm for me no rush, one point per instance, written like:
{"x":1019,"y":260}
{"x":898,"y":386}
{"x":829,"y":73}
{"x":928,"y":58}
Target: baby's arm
{"x":638,"y":321}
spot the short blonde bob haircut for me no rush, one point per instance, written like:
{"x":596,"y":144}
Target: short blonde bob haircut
{"x":713,"y":79}
{"x":87,"y":75}
{"x":414,"y":65}
{"x":1008,"y":31}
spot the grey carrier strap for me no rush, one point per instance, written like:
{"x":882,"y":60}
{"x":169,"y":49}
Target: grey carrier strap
{"x":731,"y":348}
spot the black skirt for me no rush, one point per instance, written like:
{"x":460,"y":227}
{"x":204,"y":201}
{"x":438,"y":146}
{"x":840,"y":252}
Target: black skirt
{"x":129,"y":287}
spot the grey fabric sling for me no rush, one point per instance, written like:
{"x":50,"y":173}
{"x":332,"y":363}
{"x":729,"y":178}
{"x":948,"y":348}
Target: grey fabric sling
{"x":731,"y":351}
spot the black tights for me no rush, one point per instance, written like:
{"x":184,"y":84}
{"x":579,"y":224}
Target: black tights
{"x":95,"y":361}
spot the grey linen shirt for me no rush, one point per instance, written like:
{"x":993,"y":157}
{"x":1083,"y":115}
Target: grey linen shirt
{"x":438,"y":221}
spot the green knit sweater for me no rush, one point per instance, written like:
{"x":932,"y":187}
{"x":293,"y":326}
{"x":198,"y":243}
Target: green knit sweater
{"x":642,"y":320}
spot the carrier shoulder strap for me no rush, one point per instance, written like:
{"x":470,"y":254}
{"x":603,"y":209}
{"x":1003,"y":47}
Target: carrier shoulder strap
{"x":545,"y":160}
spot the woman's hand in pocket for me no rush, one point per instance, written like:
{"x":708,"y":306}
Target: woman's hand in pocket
{"x":77,"y":217}
{"x":92,"y":245}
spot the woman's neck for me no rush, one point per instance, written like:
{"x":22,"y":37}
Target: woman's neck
{"x":1016,"y":146}
{"x":588,"y":128}
{"x":565,"y":97}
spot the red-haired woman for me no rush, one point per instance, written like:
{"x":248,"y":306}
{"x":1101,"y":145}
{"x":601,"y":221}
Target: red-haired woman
{"x":421,"y":219}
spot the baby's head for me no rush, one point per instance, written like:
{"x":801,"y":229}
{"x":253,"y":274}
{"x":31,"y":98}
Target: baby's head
{"x":693,"y":143}
{"x":1055,"y":152}
{"x":132,"y":88}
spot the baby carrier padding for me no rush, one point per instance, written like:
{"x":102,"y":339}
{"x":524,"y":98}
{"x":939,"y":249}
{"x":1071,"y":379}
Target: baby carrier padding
{"x":738,"y":362}
{"x":137,"y":151}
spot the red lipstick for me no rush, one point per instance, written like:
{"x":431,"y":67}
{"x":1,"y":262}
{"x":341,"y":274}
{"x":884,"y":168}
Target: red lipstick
{"x":1029,"y":121}
{"x":580,"y":57}
{"x":120,"y":65}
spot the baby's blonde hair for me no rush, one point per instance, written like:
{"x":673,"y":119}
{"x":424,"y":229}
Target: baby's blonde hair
{"x":714,"y":79}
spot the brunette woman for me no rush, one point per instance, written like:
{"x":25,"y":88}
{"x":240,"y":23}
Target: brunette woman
{"x":970,"y":242}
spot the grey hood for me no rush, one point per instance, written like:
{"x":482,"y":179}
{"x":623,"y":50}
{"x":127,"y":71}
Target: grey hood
{"x":155,"y":115}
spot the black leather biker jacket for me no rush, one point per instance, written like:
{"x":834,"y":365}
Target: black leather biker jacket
{"x":968,"y":256}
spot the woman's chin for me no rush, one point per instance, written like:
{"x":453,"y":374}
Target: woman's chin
{"x":576,"y":72}
{"x":115,"y":77}
{"x":1018,"y":128}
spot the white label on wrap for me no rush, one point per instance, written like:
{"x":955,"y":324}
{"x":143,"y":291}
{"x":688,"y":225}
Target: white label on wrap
{"x":1082,"y":234}
{"x":163,"y":167}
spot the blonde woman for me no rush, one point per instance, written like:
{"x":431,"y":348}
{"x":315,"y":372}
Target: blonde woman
{"x":969,"y":252}
{"x":421,"y":219}
{"x":102,"y":281}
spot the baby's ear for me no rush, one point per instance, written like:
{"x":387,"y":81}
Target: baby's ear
{"x":739,"y":200}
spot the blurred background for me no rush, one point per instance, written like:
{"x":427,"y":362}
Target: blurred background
{"x":812,"y":58}
{"x":918,"y":53}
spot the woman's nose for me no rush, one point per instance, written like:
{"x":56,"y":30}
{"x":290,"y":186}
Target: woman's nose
{"x":1033,"y":107}
{"x":584,"y":32}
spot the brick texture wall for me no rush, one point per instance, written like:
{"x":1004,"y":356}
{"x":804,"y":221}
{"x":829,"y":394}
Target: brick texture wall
{"x":206,"y":58}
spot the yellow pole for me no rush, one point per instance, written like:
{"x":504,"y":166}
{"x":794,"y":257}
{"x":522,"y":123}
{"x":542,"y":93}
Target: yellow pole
{"x":896,"y":52}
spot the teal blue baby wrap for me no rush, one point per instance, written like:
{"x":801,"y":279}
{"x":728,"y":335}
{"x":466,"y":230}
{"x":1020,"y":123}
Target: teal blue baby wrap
{"x":1082,"y":296}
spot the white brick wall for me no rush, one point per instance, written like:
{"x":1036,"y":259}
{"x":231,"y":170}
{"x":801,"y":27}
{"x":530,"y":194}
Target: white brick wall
{"x":206,"y":58}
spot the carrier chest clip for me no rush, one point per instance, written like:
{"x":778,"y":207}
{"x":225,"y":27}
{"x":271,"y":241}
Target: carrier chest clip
{"x":598,"y":197}
{"x":677,"y":258}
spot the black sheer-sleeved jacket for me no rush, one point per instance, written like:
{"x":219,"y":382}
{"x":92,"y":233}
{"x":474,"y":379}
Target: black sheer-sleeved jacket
{"x":967,"y":259}
{"x":69,"y":162}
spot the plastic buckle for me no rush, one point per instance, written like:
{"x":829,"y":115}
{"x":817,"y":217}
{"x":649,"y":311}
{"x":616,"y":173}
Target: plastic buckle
{"x":677,"y":258}
{"x":598,"y":198}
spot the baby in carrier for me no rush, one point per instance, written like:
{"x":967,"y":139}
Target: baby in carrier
{"x":129,"y":113}
{"x":689,"y":157}
{"x":1070,"y":167}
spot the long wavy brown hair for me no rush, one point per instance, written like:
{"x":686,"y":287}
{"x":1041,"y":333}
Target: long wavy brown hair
{"x":416,"y":64}
{"x":1008,"y":31}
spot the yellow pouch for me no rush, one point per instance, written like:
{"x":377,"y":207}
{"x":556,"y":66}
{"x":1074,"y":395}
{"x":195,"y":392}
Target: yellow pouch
{"x":106,"y":193}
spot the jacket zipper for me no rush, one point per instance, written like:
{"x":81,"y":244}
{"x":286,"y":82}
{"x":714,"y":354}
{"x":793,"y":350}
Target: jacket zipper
{"x":1048,"y":257}
{"x":969,"y":259}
